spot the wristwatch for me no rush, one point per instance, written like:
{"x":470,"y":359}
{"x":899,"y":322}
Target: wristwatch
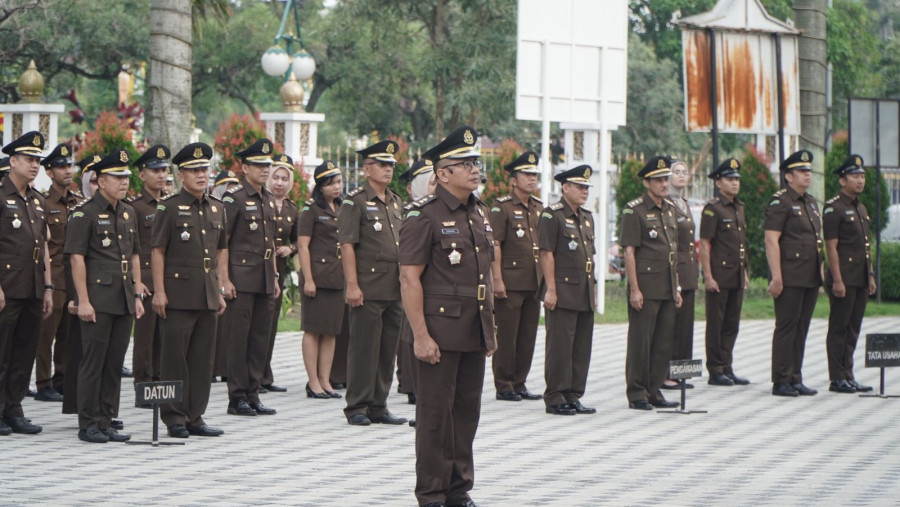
{"x":139,"y":295}
{"x":49,"y":286}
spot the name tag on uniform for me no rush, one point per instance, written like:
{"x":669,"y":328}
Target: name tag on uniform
{"x":450,"y":230}
{"x":519,"y":217}
{"x":55,"y":211}
{"x":849,"y":212}
{"x":251,"y":208}
{"x":371,"y":208}
{"x":727,"y":220}
{"x":184,"y":213}
{"x":11,"y":206}
{"x":680,"y":219}
{"x":324,"y":218}
{"x":796,"y":208}
{"x":104,"y":222}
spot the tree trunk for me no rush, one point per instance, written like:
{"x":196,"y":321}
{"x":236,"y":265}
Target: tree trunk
{"x":811,"y":21}
{"x":170,"y":73}
{"x":438,"y":36}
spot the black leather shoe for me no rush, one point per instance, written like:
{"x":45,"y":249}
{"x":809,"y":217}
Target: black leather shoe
{"x":22,"y":425}
{"x":332,"y":394}
{"x":525,"y":394}
{"x":4,"y":429}
{"x":720,"y":379}
{"x":560,"y":409}
{"x":389,"y":418}
{"x":312,"y":394}
{"x":509,"y":396}
{"x":783,"y":389}
{"x":410,"y":399}
{"x":859,"y":387}
{"x":115,"y":436}
{"x":205,"y":431}
{"x":412,"y":423}
{"x":240,"y":407}
{"x":803,"y":390}
{"x":178,"y":431}
{"x":275,"y":389}
{"x":841,"y":386}
{"x":262,"y":409}
{"x":93,"y":436}
{"x":435,"y":504}
{"x":213,"y":380}
{"x":467,"y":503}
{"x":740,"y":381}
{"x":48,"y":393}
{"x":359,"y":420}
{"x":581,"y":409}
{"x":126,"y":373}
{"x":31,"y":393}
{"x":640,"y":405}
{"x":116,"y":424}
{"x":674,"y":387}
{"x":337,"y":386}
{"x":261,"y":390}
{"x":663,"y":403}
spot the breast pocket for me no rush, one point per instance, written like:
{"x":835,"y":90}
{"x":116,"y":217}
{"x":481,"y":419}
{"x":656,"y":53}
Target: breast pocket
{"x":455,"y":251}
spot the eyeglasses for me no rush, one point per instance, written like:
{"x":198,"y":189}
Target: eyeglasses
{"x":93,"y":180}
{"x":470,"y":165}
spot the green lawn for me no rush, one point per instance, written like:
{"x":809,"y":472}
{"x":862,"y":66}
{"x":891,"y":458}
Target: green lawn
{"x":757,"y":305}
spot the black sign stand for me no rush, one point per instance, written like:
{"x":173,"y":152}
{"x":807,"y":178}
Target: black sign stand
{"x":881,"y":352}
{"x":154,"y":393}
{"x":880,"y":391}
{"x":683,"y":370}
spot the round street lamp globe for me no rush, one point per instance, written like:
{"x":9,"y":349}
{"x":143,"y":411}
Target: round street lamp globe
{"x":275,"y":61}
{"x":304,"y":65}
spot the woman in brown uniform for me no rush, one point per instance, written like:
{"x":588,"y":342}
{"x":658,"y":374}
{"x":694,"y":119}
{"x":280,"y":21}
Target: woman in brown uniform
{"x":280,"y":183}
{"x":322,"y":279}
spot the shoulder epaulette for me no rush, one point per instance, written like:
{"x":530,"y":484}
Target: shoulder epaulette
{"x":46,"y":194}
{"x":235,"y":189}
{"x":556,"y":206}
{"x":780,"y":192}
{"x":537,"y":199}
{"x":218,"y":199}
{"x":714,"y":200}
{"x":504,"y":198}
{"x":132,"y":198}
{"x":832,"y":200}
{"x":423,"y":201}
{"x":635,"y":202}
{"x":356,"y":192}
{"x":82,"y":203}
{"x":288,"y":201}
{"x":669,"y":201}
{"x":167,"y":197}
{"x":585,"y":210}
{"x":309,"y":202}
{"x":78,"y":194}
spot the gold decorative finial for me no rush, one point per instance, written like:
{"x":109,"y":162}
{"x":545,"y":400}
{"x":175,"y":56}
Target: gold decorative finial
{"x":31,"y":84}
{"x":292,"y":95}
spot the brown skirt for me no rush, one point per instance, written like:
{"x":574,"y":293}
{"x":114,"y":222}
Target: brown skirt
{"x":323,"y":314}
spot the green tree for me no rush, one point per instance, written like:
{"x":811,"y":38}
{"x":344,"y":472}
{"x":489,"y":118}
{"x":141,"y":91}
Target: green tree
{"x":628,"y":187}
{"x":757,"y":187}
{"x":838,"y":154}
{"x":854,"y":51}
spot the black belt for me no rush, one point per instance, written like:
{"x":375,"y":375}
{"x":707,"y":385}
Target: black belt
{"x":206,"y":263}
{"x":656,"y":256}
{"x":95,"y":264}
{"x":470,"y":291}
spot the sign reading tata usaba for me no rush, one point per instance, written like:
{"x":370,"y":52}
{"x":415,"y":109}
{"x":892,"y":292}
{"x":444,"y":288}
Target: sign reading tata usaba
{"x":882,"y":350}
{"x":170,"y":391}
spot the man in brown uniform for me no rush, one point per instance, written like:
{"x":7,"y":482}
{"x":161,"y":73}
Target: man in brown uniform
{"x":793,"y":249}
{"x":248,"y":274}
{"x":723,"y":254}
{"x":517,"y":277}
{"x":649,"y":236}
{"x":152,"y":166}
{"x":103,"y":244}
{"x":566,"y":241}
{"x":849,"y":282}
{"x":188,"y":240}
{"x":446,"y":253}
{"x":26,"y":289}
{"x":59,"y":201}
{"x":369,"y":223}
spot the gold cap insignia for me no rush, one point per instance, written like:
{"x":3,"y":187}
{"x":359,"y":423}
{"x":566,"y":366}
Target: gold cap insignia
{"x":231,"y":174}
{"x":198,"y":152}
{"x":531,"y":158}
{"x":97,"y":158}
{"x":64,"y":151}
{"x":265,"y":148}
{"x":804,"y":157}
{"x":160,"y":153}
{"x":36,"y":141}
{"x":660,"y":164}
{"x":390,"y":148}
{"x":467,"y":137}
{"x":734,"y":164}
{"x":858,"y":161}
{"x":329,"y":166}
{"x":587,"y":173}
{"x":123,"y":156}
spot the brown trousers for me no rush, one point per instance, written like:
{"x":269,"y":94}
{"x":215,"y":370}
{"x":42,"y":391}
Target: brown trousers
{"x":683,"y":346}
{"x":793,"y":311}
{"x":268,"y":377}
{"x":447,"y":414}
{"x":341,"y":344}
{"x":51,"y":346}
{"x":374,"y":333}
{"x":20,"y":323}
{"x":246,"y":320}
{"x":406,"y":381}
{"x":188,"y":352}
{"x":103,"y":347}
{"x":567,"y":355}
{"x":73,"y":365}
{"x":651,"y":333}
{"x":517,"y":319}
{"x":723,"y":320}
{"x":844,"y":324}
{"x":145,"y":355}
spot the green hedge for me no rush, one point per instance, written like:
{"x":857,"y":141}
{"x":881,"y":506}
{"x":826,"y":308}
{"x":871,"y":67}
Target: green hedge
{"x":890,"y":271}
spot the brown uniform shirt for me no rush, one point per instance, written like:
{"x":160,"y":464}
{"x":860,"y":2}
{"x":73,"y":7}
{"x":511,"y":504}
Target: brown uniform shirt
{"x":321,"y":226}
{"x":686,"y":263}
{"x":250,"y":224}
{"x":797,"y":218}
{"x":722,"y":223}
{"x":570,"y":236}
{"x":23,"y":237}
{"x":652,"y":231}
{"x":107,"y":238}
{"x":190,"y":231}
{"x":285,"y":235}
{"x":58,"y":207}
{"x":847,"y":220}
{"x":515,"y":229}
{"x":373,"y":227}
{"x":453,"y":240}
{"x":145,"y":208}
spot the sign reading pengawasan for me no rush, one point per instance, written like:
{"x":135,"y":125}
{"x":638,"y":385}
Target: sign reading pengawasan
{"x":574,"y":53}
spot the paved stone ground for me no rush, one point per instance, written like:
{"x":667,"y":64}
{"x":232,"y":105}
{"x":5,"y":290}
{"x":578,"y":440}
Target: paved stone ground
{"x":750,"y":449}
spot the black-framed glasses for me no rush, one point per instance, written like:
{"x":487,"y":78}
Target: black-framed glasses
{"x":470,"y":165}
